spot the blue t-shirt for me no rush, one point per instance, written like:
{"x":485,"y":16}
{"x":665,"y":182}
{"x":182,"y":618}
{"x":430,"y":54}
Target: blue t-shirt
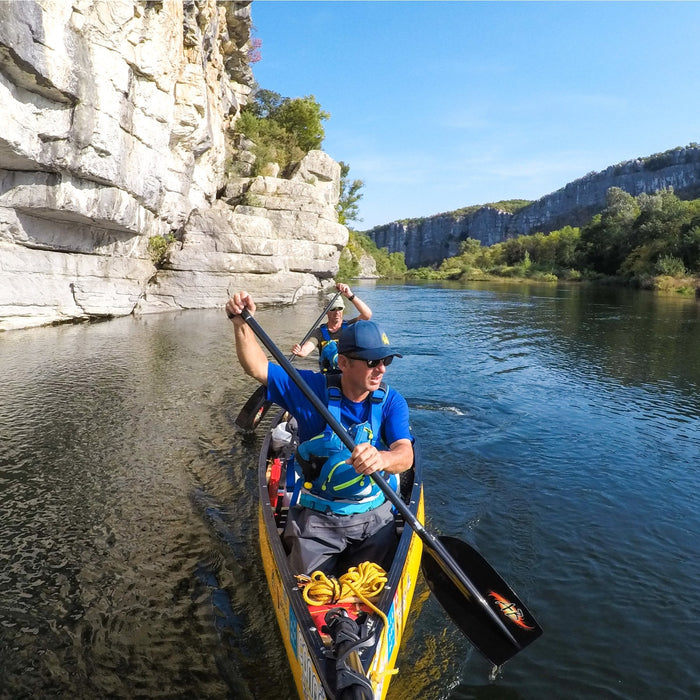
{"x":284,"y":392}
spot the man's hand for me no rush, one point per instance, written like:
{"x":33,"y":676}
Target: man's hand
{"x":238,"y":302}
{"x":251,"y":356}
{"x":366,"y":459}
{"x":344,"y":289}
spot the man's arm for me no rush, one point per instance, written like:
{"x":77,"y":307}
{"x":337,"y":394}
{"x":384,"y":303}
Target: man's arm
{"x":305,"y":349}
{"x":362,"y":308}
{"x":251,"y":356}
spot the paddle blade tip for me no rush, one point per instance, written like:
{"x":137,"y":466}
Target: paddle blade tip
{"x":468,"y":613}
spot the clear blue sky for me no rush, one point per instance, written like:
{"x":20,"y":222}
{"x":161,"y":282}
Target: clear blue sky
{"x":440,"y":105}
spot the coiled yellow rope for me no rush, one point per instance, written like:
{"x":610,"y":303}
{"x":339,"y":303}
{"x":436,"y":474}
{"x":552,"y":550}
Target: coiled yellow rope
{"x":364,"y":581}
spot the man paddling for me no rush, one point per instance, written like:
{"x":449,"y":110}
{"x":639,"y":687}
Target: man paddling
{"x":325,"y":337}
{"x":342,"y":518}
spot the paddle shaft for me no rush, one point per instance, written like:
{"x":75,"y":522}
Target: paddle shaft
{"x":316,"y":322}
{"x":440,"y":554}
{"x":257,"y":405}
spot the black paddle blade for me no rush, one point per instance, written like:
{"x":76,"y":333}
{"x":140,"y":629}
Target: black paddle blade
{"x":467,"y":612}
{"x":255,"y":408}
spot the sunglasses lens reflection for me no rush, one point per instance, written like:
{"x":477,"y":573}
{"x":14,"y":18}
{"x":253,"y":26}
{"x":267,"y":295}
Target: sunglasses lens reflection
{"x":374,"y":363}
{"x":386,"y":360}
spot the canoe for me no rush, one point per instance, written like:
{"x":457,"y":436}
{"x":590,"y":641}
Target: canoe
{"x":324,"y":667}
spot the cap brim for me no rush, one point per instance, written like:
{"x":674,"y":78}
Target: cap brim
{"x":374,"y":354}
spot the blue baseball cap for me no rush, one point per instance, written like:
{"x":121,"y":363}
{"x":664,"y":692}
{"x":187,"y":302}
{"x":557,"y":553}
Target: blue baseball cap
{"x":366,"y":340}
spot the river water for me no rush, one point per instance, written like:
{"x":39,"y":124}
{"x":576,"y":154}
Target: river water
{"x":561,"y":438}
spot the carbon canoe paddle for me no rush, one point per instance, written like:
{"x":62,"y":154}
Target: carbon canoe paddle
{"x":482,"y":605}
{"x":257,"y":405}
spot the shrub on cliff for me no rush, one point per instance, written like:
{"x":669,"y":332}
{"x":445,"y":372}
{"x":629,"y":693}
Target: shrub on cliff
{"x":348,"y":265}
{"x":158,"y":248}
{"x":283,"y":129}
{"x":347,"y":207}
{"x":389,"y":265}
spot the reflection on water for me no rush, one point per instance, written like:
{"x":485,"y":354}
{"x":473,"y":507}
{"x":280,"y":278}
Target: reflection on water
{"x":560,"y":436}
{"x":124,"y":511}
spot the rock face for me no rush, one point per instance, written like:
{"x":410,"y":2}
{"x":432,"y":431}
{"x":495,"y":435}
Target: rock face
{"x":278,"y":239}
{"x":117,"y":117}
{"x":429,"y":241}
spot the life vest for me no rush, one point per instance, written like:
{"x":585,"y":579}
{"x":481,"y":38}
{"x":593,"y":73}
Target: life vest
{"x":328,"y":350}
{"x":330,"y":483}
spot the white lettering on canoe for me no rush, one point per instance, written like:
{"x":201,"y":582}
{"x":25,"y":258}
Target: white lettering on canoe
{"x":313,"y":689}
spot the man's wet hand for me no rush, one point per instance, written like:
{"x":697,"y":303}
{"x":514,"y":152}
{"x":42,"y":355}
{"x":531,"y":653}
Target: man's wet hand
{"x":238,"y":302}
{"x":366,"y":459}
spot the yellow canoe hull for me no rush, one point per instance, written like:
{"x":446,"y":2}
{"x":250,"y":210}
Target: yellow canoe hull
{"x":308,"y":656}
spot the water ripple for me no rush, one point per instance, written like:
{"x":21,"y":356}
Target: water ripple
{"x":560,"y":433}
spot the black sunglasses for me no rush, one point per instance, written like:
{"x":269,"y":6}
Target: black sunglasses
{"x":375,"y":363}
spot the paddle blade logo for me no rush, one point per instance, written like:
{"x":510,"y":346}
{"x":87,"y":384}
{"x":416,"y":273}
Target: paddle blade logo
{"x":510,"y":610}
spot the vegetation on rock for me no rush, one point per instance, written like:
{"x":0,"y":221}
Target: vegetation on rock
{"x":647,"y":241}
{"x":389,"y":265}
{"x":347,"y":207}
{"x":158,"y":248}
{"x":507,"y":205}
{"x":283,"y":129}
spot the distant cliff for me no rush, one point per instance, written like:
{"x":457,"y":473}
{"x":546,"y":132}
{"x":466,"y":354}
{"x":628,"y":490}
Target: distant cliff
{"x":431,"y":240}
{"x":118,"y":130}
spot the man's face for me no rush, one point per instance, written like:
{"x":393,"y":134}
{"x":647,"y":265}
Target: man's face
{"x":359,"y":376}
{"x":335,"y":315}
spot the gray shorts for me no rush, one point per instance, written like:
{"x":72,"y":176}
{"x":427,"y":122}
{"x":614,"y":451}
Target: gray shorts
{"x":333,"y":543}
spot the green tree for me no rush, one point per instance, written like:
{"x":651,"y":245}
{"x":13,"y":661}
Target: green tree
{"x":347,"y":207}
{"x":264,"y":104}
{"x":661,"y":217}
{"x":655,"y":234}
{"x":390,"y":264}
{"x":566,"y":244}
{"x":689,"y":246}
{"x":513,"y":250}
{"x":303,"y":117}
{"x":282,"y":129}
{"x":607,"y":240}
{"x":470,"y":247}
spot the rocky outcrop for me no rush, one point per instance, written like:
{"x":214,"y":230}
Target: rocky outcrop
{"x":368,"y":267}
{"x":429,"y":241}
{"x":117,"y":122}
{"x":276,"y":238}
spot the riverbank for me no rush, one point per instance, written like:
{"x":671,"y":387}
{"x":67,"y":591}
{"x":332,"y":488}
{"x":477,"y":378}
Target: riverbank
{"x":685,"y":286}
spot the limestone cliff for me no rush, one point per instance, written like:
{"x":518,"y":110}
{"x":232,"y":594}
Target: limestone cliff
{"x":431,"y":240}
{"x":116,"y":122}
